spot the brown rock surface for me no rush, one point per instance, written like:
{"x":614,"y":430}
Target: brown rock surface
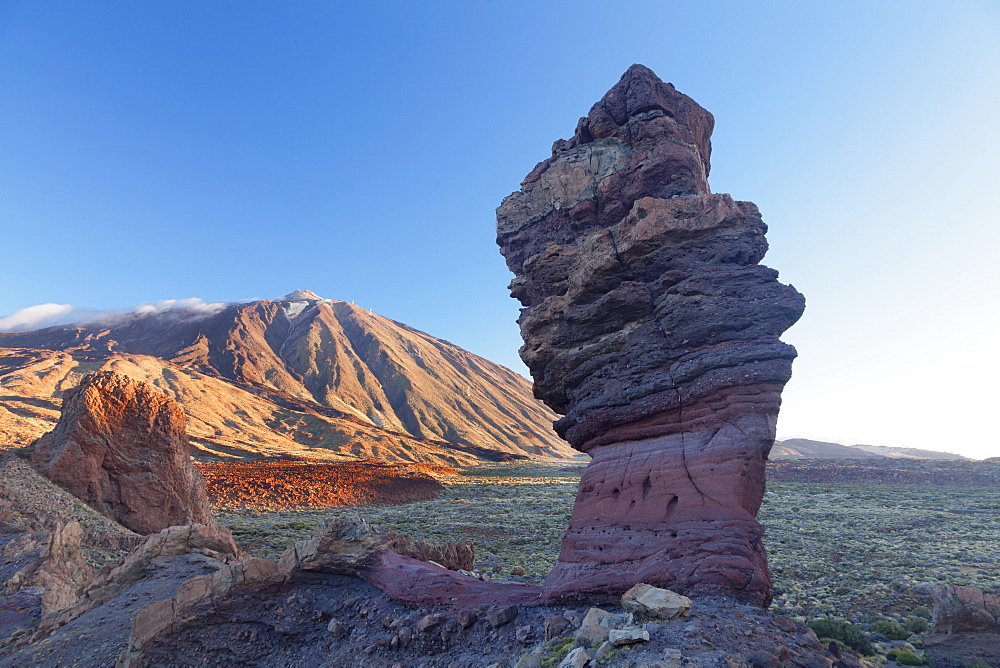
{"x":966,"y":628}
{"x":54,"y":562}
{"x":650,"y":325}
{"x":960,"y":609}
{"x":283,"y":485}
{"x":120,"y":446}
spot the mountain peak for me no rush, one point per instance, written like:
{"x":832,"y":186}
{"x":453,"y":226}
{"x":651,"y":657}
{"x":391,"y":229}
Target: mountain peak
{"x":300,"y":296}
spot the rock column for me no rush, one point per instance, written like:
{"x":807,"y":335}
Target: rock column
{"x":651,"y":326}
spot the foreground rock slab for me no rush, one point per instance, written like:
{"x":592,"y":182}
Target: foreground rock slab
{"x":654,"y":603}
{"x":121,"y":447}
{"x":651,"y":326}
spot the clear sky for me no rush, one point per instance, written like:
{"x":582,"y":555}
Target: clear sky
{"x":239,"y":150}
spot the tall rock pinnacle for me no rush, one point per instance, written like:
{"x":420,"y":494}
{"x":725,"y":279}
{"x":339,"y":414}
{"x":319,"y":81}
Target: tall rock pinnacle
{"x":651,"y":326}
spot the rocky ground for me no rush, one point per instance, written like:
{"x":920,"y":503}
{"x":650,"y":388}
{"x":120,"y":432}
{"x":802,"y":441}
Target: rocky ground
{"x":862,"y":557}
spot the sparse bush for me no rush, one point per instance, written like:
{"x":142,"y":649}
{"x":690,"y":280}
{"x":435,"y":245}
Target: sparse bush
{"x":844,"y":632}
{"x":517,"y":571}
{"x":559,"y":649}
{"x":890,"y":629}
{"x":916,"y":625}
{"x":905,"y":657}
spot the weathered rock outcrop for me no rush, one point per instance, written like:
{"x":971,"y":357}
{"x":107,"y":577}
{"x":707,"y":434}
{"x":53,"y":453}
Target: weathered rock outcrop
{"x":650,"y":324}
{"x":54,"y":562}
{"x":966,"y":627}
{"x":121,"y":447}
{"x":407,"y":569}
{"x":965,"y":609}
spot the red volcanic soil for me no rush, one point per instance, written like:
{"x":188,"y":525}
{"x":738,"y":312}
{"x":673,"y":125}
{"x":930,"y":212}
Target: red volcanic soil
{"x":285,"y":485}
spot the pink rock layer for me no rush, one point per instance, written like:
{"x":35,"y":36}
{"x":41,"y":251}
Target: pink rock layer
{"x":651,"y":326}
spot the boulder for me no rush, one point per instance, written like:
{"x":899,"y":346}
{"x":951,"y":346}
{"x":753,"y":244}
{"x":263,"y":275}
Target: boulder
{"x":53,"y":561}
{"x":121,"y":447}
{"x":592,"y":629}
{"x":577,"y":658}
{"x":620,"y":637}
{"x":964,"y":609}
{"x":649,"y":324}
{"x":651,"y":602}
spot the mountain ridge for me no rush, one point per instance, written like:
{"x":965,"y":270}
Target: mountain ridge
{"x":313,"y":372}
{"x":805,"y":448}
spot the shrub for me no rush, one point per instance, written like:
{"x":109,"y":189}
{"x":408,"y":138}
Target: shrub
{"x":844,"y":632}
{"x":916,"y":625}
{"x":890,"y":629}
{"x":905,"y":657}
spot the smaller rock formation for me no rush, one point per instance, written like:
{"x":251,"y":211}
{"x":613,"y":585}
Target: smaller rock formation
{"x":965,"y":609}
{"x":54,"y":562}
{"x":121,"y":447}
{"x":408,"y":570}
{"x":966,"y":627}
{"x":346,"y":546}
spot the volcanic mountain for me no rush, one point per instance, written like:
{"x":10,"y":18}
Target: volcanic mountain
{"x":296,"y":376}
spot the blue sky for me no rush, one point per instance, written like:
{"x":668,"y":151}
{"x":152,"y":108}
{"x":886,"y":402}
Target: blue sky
{"x":239,"y":150}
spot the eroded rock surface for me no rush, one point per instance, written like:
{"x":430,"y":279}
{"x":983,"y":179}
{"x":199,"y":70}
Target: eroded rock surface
{"x":650,"y":324}
{"x":121,"y":447}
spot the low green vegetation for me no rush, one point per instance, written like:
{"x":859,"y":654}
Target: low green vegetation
{"x":857,"y":559}
{"x":844,"y":632}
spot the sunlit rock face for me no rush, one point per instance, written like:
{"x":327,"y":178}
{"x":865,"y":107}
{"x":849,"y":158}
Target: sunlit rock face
{"x":121,"y":447}
{"x":651,"y":326}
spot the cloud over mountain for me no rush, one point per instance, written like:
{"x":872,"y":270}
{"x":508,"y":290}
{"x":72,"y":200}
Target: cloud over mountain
{"x":41,"y":316}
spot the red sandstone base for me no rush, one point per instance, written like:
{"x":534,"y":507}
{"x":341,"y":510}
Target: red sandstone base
{"x":674,"y":511}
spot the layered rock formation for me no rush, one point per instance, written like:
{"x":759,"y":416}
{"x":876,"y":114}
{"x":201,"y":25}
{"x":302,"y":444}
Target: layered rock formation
{"x":120,"y":446}
{"x":650,"y":324}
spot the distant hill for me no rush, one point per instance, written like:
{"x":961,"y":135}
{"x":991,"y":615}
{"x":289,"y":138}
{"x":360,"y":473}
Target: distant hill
{"x":804,"y":448}
{"x":299,"y":375}
{"x":907,"y":453}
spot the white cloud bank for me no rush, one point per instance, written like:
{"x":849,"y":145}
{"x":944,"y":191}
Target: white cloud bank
{"x":40,"y":316}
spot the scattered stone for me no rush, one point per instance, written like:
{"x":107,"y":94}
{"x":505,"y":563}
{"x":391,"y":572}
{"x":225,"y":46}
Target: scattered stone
{"x":525,"y":635}
{"x":652,"y":602}
{"x":554,"y":626}
{"x":785,"y":624}
{"x":533,"y":660}
{"x":577,"y":658}
{"x":428,"y":622}
{"x":338,"y":629}
{"x":619,"y":637}
{"x":501,"y":616}
{"x":762,"y":659}
{"x":592,"y":629}
{"x":466,"y":618}
{"x":606,"y":648}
